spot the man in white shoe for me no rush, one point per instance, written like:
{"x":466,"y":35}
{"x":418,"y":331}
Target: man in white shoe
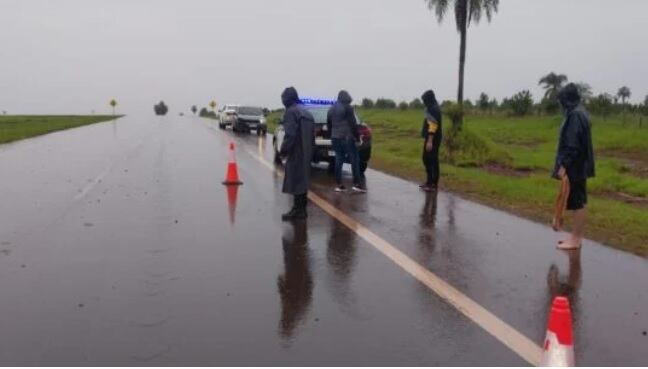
{"x":343,"y":125}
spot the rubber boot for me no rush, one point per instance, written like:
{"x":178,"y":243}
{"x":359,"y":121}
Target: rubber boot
{"x":298,"y":211}
{"x":301,"y":201}
{"x":291,"y":213}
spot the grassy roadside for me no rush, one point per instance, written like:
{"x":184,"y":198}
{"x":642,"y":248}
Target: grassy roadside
{"x":18,"y":127}
{"x":506,"y":164}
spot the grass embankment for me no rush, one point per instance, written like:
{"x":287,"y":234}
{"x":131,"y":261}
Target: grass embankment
{"x":18,"y":127}
{"x":506,"y":162}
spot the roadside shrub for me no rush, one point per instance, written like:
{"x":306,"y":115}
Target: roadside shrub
{"x":403,"y":105}
{"x":494,"y":104}
{"x":521,"y":103}
{"x":207,"y":113}
{"x":483,"y":103}
{"x":602,"y":104}
{"x":383,"y":103}
{"x":454,"y":112}
{"x":416,"y":104}
{"x":367,"y":103}
{"x":549,"y":105}
{"x":467,"y":149}
{"x":160,"y":108}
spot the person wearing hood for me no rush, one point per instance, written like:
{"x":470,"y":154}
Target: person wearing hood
{"x":574,"y":160}
{"x":432,"y":133}
{"x":297,"y":148}
{"x":343,"y":125}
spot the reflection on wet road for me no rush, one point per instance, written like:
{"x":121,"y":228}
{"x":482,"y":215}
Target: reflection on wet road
{"x":296,"y":283}
{"x":157,"y":263}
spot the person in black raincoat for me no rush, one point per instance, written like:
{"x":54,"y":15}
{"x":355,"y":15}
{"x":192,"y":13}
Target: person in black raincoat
{"x":297,"y":147}
{"x":574,"y":159}
{"x":432,"y":133}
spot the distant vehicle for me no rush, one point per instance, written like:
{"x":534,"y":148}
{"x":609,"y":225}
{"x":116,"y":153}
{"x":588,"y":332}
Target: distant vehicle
{"x":248,"y":118}
{"x":227,"y":115}
{"x":323,"y":151}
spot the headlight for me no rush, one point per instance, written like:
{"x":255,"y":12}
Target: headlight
{"x":262,"y":121}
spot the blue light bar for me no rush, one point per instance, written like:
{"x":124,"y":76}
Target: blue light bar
{"x":309,"y":101}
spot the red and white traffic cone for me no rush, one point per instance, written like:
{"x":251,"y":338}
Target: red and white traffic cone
{"x":232,"y":178}
{"x":559,"y":343}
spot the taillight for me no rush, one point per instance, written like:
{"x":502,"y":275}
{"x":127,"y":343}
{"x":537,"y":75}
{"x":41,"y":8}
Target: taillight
{"x":364,"y":131}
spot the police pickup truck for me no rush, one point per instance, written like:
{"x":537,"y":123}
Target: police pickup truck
{"x":323,"y":150}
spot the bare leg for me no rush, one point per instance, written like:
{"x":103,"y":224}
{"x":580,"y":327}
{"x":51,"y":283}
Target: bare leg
{"x":575,"y":240}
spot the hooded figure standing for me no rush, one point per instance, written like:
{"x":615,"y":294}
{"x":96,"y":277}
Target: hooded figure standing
{"x":432,"y":133}
{"x":574,"y":160}
{"x":297,"y":147}
{"x":343,"y":125}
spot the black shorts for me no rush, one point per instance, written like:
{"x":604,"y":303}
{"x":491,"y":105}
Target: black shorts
{"x":577,"y":194}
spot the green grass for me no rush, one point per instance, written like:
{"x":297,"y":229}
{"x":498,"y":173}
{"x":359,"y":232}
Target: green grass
{"x":18,"y":127}
{"x":505,"y":162}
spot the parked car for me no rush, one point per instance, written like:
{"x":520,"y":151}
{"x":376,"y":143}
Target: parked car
{"x":248,"y":118}
{"x":227,"y":115}
{"x":323,"y":151}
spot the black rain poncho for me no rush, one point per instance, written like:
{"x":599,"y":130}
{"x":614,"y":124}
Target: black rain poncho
{"x":575,"y":150}
{"x":297,"y":145}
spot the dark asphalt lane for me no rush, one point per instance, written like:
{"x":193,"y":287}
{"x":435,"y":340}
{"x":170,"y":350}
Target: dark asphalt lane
{"x":119,"y":246}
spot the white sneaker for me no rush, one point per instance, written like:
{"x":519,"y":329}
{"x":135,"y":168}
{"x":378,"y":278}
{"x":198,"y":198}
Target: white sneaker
{"x":340,"y":189}
{"x":358,"y":189}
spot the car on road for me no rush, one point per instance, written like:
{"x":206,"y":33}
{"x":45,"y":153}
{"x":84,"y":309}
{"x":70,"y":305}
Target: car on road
{"x":248,"y":118}
{"x":227,"y":115}
{"x":323,"y":151}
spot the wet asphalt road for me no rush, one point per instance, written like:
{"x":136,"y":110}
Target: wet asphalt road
{"x":120,"y":246}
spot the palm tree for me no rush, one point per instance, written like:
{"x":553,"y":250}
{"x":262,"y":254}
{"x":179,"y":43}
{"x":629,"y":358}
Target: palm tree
{"x":552,"y":83}
{"x":466,"y":11}
{"x":624,"y":93}
{"x":113,"y":103}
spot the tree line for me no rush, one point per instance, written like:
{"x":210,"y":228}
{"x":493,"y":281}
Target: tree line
{"x":523,"y":103}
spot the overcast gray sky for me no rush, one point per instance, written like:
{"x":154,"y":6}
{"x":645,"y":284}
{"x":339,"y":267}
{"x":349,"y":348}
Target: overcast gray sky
{"x":72,"y":56}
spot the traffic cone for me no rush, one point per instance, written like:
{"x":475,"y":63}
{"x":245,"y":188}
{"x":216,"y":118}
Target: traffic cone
{"x":232,"y":194}
{"x":559,"y":344}
{"x":232,"y":178}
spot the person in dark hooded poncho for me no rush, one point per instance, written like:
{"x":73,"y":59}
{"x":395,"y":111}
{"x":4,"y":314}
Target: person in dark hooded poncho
{"x":432,"y":133}
{"x":575,"y":160}
{"x":343,"y":125}
{"x":297,"y":147}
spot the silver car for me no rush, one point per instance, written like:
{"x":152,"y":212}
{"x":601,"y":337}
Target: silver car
{"x":227,"y":115}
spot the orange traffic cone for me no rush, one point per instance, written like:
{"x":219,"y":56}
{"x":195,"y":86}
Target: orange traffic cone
{"x":232,"y":194}
{"x":232,"y":178}
{"x":559,"y":344}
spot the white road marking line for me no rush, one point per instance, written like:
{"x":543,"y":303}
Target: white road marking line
{"x":502,"y":331}
{"x":92,"y":183}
